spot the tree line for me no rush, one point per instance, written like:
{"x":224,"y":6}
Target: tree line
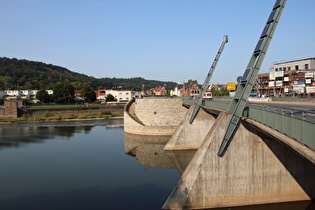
{"x":24,"y":74}
{"x":63,"y":92}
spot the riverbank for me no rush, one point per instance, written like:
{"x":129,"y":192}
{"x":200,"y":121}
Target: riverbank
{"x":60,"y":118}
{"x":72,"y":113}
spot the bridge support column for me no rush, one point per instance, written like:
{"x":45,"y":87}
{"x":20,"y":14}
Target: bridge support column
{"x":190,"y":136}
{"x":254,"y":170}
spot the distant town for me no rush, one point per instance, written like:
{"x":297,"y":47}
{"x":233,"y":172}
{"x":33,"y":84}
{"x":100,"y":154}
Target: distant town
{"x":290,"y":78}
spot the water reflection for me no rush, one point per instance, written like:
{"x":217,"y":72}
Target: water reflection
{"x":17,"y":135}
{"x":76,"y":167}
{"x":149,"y":152}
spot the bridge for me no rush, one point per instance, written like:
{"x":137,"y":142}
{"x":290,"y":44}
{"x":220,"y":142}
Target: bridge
{"x":247,"y":154}
{"x":270,"y":160}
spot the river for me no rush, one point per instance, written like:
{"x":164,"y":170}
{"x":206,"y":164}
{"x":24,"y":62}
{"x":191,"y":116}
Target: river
{"x":81,"y":165}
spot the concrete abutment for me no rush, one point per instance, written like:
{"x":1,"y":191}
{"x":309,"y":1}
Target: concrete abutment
{"x":256,"y":169}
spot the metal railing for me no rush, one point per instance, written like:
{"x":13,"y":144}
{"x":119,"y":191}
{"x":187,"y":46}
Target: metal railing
{"x":294,"y":123}
{"x":217,"y":104}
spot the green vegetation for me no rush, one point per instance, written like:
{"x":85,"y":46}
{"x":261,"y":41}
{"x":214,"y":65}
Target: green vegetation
{"x":88,"y":93}
{"x":63,"y":92}
{"x":43,"y":96}
{"x":24,"y":74}
{"x":57,"y":106}
{"x":110,"y":97}
{"x":223,"y":92}
{"x":46,"y":117}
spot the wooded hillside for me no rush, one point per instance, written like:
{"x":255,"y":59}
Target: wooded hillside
{"x":24,"y":74}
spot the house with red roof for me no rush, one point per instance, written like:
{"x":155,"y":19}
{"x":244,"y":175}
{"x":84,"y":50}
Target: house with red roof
{"x":161,"y":91}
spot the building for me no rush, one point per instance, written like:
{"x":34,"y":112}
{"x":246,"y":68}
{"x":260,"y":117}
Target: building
{"x":288,"y":78}
{"x":77,"y":95}
{"x":219,"y":86}
{"x":29,"y":95}
{"x":190,"y":89}
{"x":100,"y":94}
{"x":120,"y":95}
{"x":161,"y":91}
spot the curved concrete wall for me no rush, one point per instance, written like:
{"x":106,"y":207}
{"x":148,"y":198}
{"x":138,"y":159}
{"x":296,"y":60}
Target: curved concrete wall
{"x":154,"y":116}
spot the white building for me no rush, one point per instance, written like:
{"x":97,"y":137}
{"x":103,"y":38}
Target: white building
{"x":21,"y":94}
{"x":120,"y":95}
{"x":176,"y":92}
{"x":307,"y":64}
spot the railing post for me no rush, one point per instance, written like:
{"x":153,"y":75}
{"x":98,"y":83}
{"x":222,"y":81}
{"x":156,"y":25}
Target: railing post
{"x":292,"y":114}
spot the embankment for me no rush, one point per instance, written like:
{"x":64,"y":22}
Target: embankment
{"x":116,"y":109}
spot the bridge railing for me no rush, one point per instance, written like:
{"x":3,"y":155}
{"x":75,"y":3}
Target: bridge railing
{"x":297,"y":124}
{"x":294,"y":123}
{"x":217,"y":104}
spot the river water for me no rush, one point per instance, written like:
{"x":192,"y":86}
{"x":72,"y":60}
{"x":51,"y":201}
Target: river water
{"x":82,"y":165}
{"x":89,"y":165}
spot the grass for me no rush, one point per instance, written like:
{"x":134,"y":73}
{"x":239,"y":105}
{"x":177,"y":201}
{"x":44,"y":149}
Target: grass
{"x":58,"y":106}
{"x":46,"y":117}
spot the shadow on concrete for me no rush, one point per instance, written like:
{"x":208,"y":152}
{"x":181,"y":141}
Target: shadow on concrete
{"x":301,"y":169}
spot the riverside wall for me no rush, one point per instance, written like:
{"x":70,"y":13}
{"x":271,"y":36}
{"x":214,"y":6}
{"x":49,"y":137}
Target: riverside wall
{"x":154,"y":116}
{"x":11,"y":109}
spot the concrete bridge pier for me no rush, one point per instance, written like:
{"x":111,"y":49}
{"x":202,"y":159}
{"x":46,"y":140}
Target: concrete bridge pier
{"x":257,"y":168}
{"x":190,"y":136}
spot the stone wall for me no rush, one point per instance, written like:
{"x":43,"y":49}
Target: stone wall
{"x":10,"y":109}
{"x":154,"y":116}
{"x":158,"y":112}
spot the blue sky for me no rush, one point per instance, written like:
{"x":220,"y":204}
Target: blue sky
{"x":168,"y":40}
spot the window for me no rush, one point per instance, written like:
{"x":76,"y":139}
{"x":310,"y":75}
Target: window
{"x":306,"y":66}
{"x":284,"y":68}
{"x":289,"y":68}
{"x":276,"y":69}
{"x":297,"y":67}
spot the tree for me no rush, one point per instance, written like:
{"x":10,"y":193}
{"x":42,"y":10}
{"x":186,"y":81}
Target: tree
{"x":28,"y":86}
{"x":42,"y":96}
{"x":63,"y":92}
{"x":77,"y":85}
{"x":88,"y":93}
{"x":192,"y":81}
{"x":110,"y":97}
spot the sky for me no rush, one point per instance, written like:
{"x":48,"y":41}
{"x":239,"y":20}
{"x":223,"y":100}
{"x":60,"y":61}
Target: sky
{"x":166,"y":40}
